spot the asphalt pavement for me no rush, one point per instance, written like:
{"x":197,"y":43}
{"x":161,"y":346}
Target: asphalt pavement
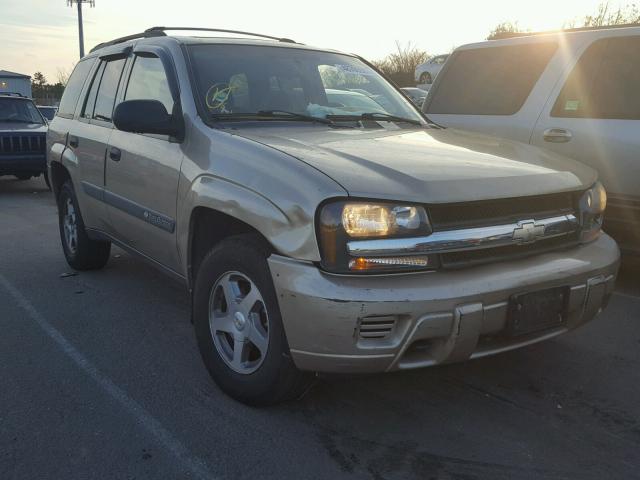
{"x":100,"y":378}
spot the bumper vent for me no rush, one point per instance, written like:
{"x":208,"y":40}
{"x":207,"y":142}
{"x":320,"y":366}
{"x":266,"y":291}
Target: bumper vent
{"x":376,"y":327}
{"x":22,"y":144}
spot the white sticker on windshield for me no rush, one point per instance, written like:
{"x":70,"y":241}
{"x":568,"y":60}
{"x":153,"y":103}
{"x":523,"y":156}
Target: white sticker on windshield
{"x":354,"y":69}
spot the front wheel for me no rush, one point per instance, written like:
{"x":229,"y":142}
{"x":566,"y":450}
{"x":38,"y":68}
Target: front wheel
{"x":425,"y":78}
{"x":81,"y":252}
{"x":238,"y":325}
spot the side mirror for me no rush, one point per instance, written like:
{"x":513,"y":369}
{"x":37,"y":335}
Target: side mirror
{"x":146,"y":116}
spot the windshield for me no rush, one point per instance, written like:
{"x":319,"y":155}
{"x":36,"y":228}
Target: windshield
{"x":19,"y":111}
{"x":247,"y":80}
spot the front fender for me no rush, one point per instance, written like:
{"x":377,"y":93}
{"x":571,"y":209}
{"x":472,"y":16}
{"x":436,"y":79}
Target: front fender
{"x":289,"y":228}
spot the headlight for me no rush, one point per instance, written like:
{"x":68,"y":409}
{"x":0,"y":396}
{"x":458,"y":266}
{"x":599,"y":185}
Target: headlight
{"x":342,"y":221}
{"x":592,"y":206}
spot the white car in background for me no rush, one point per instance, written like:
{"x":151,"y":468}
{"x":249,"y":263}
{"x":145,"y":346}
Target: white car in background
{"x":426,"y":72}
{"x":573,"y":92}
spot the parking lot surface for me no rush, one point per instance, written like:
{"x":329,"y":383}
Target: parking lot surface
{"x":100,"y":378}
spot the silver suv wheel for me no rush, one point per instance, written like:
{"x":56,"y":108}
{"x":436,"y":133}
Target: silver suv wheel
{"x":70,"y":225}
{"x":239,"y":322}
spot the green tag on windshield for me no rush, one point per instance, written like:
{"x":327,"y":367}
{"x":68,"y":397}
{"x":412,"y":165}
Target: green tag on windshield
{"x":572,"y":105}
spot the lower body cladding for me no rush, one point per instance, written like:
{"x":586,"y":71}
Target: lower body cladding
{"x":338,"y":323}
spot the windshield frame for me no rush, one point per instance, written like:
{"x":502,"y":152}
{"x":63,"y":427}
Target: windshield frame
{"x":214,"y":122}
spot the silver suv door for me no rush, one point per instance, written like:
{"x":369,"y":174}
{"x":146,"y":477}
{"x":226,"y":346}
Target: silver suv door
{"x":143,"y":170}
{"x":89,"y":136}
{"x":594,"y":117}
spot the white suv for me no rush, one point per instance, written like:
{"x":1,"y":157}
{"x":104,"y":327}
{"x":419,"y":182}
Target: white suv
{"x":574,"y":92}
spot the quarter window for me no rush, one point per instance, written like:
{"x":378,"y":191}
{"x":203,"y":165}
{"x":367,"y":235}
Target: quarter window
{"x":74,"y":86}
{"x":604,"y":82}
{"x":148,"y":81}
{"x":491,"y":80}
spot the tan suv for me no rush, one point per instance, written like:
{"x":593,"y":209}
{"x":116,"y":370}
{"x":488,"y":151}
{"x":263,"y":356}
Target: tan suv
{"x":315,"y":234}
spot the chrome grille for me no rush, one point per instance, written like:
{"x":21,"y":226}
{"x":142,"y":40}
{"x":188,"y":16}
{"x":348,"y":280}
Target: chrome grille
{"x":22,"y":144}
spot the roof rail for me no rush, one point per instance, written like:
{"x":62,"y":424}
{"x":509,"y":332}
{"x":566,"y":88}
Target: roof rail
{"x":160,"y":32}
{"x":504,"y":35}
{"x":12,"y":94}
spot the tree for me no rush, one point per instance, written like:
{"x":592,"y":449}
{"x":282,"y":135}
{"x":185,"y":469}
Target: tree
{"x":401,"y":65}
{"x":504,"y":29}
{"x":39,"y":79}
{"x":605,"y":16}
{"x":63,"y":76}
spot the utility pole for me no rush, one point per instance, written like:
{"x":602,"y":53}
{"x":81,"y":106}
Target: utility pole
{"x":92,"y":3}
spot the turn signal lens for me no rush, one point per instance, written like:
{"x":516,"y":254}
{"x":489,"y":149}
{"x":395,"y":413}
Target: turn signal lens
{"x":594,"y":200}
{"x":380,"y":263}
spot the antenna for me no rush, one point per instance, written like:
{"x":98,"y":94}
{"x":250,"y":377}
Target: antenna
{"x":92,"y":3}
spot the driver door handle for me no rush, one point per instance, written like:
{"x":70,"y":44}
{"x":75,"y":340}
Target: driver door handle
{"x":115,"y":154}
{"x":557,"y":135}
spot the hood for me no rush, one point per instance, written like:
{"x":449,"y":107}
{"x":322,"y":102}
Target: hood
{"x":22,"y":127}
{"x":426,"y":166}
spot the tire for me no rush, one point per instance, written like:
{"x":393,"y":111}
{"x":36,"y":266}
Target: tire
{"x":46,"y":180}
{"x":425,"y":78}
{"x":255,"y":376}
{"x":23,"y":177}
{"x":81,"y":252}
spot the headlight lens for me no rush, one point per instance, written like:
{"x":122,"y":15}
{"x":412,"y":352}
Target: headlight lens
{"x":371,"y":220}
{"x":342,"y":221}
{"x":592,"y":206}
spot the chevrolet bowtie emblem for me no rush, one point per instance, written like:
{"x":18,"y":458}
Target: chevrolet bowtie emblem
{"x":528,"y":232}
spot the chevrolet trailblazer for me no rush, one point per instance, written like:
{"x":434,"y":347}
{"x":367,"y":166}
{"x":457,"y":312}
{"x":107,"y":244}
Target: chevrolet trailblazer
{"x":317,"y":235}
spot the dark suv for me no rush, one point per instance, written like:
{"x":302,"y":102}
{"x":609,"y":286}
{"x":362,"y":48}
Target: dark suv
{"x":22,"y":138}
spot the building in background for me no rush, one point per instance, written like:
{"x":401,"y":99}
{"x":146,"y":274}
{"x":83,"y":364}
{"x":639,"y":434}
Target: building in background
{"x":15,"y":82}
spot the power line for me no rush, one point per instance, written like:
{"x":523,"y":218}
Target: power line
{"x":92,"y":3}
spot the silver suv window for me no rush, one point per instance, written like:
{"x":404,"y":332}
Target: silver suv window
{"x":604,"y":83}
{"x":100,"y":101}
{"x":489,"y":81}
{"x":246,"y":79}
{"x":148,"y":81}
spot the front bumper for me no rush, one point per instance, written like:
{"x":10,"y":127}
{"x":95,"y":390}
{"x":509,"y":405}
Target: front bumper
{"x":22,"y":164}
{"x":337,"y":323}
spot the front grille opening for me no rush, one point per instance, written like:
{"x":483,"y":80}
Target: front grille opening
{"x":491,"y":255}
{"x":22,"y":144}
{"x":498,"y":212}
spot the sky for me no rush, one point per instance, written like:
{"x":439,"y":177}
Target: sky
{"x":42,"y":35}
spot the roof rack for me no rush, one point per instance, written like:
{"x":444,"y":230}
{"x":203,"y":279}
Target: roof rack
{"x":504,"y":35}
{"x":160,"y":32}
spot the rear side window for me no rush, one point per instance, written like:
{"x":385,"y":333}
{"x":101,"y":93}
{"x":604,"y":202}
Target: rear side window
{"x":106,"y":97}
{"x":490,"y":81}
{"x":74,"y":86}
{"x":148,"y":81}
{"x":604,"y":83}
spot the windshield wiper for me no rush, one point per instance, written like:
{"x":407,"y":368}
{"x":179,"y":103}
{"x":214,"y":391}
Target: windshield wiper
{"x":270,"y":114}
{"x":293,"y":115}
{"x":376,"y":116}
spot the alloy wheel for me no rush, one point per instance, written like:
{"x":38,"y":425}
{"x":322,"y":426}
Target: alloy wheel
{"x":239,"y":322}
